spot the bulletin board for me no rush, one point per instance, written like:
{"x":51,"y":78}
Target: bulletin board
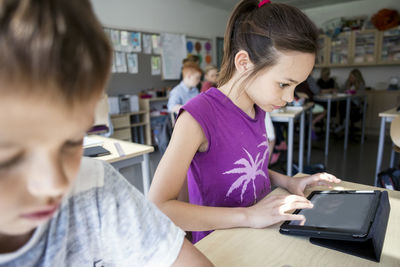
{"x":138,"y":59}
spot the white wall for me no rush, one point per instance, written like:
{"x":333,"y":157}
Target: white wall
{"x":174,"y":16}
{"x":373,"y":76}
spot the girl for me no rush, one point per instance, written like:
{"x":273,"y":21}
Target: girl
{"x":219,"y":140}
{"x":210,"y":78}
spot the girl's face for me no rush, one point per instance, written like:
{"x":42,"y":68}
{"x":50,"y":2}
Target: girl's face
{"x":211,"y":76}
{"x":274,"y":87}
{"x":40,"y":154}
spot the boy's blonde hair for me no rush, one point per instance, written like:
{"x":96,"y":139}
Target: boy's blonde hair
{"x":190,"y":67}
{"x":53,"y":48}
{"x":209,"y":68}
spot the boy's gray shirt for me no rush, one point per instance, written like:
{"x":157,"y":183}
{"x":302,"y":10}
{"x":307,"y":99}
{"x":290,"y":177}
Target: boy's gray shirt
{"x":103,"y":221}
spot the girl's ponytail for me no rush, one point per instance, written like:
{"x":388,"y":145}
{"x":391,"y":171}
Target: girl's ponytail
{"x":241,"y":10}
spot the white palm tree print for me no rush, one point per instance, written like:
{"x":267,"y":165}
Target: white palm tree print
{"x":250,"y":170}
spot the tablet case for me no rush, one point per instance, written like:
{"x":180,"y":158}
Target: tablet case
{"x":369,"y":247}
{"x":95,"y":151}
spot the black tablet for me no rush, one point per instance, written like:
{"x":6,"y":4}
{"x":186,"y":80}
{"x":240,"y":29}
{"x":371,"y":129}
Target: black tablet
{"x":336,"y":215}
{"x":95,"y":151}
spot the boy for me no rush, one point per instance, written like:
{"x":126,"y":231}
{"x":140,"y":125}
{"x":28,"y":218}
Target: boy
{"x":57,"y":209}
{"x":186,"y":89}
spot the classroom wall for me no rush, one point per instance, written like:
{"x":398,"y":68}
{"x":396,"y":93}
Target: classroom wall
{"x":375,"y":76}
{"x":174,"y":16}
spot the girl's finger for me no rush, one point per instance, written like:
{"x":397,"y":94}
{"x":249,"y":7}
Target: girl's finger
{"x":293,"y":217}
{"x":295,"y":206}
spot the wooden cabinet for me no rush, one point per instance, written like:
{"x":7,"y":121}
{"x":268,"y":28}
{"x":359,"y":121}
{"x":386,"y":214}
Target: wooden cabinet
{"x":340,"y":49}
{"x":138,"y":126}
{"x":322,"y":57}
{"x":379,"y":101}
{"x":359,"y":48}
{"x":364,"y":47}
{"x":389,"y":52}
{"x":131,"y":126}
{"x":156,"y":111}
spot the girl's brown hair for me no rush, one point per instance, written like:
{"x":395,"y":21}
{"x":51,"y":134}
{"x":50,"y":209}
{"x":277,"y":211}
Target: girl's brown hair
{"x":53,"y":48}
{"x":260,"y":31}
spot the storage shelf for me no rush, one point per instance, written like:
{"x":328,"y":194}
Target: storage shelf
{"x":139,"y":124}
{"x":359,"y":48}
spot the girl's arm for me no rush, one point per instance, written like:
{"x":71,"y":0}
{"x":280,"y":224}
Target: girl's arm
{"x":186,"y":140}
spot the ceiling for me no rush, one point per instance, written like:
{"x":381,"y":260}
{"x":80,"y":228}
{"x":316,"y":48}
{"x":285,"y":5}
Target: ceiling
{"x":302,"y":4}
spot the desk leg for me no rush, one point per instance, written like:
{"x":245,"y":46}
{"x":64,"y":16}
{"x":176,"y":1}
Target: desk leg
{"x":363,"y":120}
{"x":290,"y":148}
{"x":328,"y":123}
{"x":146,"y":174}
{"x":380,"y":149}
{"x":346,"y":132}
{"x":309,"y":136}
{"x":301,"y":148}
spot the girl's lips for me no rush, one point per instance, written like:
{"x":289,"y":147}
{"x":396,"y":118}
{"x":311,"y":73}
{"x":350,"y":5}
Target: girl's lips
{"x":41,"y":214}
{"x":277,"y":107}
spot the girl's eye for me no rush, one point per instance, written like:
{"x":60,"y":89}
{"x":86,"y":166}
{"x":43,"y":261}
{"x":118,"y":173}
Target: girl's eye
{"x":283,"y":85}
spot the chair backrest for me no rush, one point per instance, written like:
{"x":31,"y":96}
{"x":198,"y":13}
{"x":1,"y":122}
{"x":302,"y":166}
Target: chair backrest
{"x":395,"y":132}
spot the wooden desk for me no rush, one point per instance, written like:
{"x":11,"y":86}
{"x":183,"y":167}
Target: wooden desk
{"x":289,"y":115}
{"x":386,"y":117}
{"x":132,"y":154}
{"x":329,"y":98}
{"x":267,"y":247}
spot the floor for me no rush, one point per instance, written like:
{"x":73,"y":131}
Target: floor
{"x":357,"y":164}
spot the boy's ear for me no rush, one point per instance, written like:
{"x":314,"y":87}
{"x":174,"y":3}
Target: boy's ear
{"x":242,"y":61}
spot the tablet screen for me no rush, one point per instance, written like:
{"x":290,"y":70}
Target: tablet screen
{"x":348,"y":212}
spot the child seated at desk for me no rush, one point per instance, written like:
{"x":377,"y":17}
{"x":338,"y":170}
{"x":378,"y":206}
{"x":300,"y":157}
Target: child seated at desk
{"x":186,"y":89}
{"x":210,"y":78}
{"x":56,"y":208}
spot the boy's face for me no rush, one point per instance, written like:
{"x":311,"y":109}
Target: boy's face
{"x":211,"y":76}
{"x":192,"y":79}
{"x":40,"y":154}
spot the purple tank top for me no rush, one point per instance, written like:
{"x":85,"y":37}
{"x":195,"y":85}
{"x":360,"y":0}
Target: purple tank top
{"x":233,"y":172}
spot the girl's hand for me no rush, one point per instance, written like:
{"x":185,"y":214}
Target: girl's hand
{"x":297,"y":185}
{"x":272,"y":209}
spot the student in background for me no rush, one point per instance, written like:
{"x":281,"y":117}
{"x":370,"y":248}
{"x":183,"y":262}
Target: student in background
{"x":326,"y":83}
{"x":57,"y":208}
{"x":210,"y":78}
{"x":186,"y":89}
{"x":355,"y":82}
{"x":219,"y":141}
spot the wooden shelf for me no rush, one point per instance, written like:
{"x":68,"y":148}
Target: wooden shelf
{"x":139,"y":124}
{"x":334,"y":47}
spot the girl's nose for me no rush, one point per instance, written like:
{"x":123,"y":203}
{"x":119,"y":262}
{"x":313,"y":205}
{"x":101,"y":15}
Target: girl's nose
{"x":288,"y":95}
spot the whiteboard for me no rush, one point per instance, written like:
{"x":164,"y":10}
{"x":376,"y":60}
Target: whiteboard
{"x":173,"y":53}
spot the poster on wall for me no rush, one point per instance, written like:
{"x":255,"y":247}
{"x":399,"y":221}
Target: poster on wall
{"x":147,"y":44}
{"x":156,"y":44}
{"x":135,"y":42}
{"x":155,"y":65}
{"x":201,"y":48}
{"x":120,"y":62}
{"x":173,"y":53}
{"x":133,"y":65}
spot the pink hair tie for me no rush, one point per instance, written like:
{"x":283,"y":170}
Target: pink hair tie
{"x":263,"y":2}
